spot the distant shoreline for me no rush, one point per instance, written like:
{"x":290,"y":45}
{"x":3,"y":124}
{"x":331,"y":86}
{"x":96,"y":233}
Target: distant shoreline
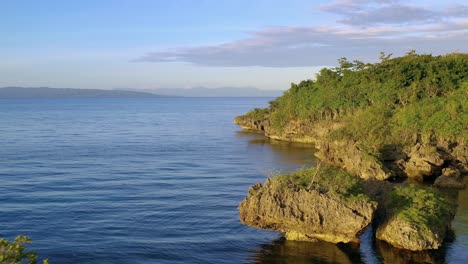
{"x":47,"y":92}
{"x":50,"y":93}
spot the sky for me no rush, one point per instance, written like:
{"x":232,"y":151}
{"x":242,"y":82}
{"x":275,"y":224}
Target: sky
{"x":151,"y":44}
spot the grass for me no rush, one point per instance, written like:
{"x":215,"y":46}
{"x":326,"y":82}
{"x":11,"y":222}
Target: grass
{"x":420,"y":206}
{"x":330,"y":180}
{"x":257,"y":113}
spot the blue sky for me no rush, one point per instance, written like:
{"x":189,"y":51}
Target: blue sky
{"x":237,"y":43}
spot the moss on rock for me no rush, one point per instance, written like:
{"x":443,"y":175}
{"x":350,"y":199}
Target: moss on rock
{"x":333,"y":208}
{"x":416,"y":218}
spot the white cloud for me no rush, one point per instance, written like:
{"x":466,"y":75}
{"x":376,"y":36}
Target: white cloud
{"x":369,"y":26}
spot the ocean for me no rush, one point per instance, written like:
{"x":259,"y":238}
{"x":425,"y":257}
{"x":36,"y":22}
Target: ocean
{"x":156,"y":180}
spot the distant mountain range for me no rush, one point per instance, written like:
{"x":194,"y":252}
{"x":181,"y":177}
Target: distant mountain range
{"x":46,"y":92}
{"x":213,"y":92}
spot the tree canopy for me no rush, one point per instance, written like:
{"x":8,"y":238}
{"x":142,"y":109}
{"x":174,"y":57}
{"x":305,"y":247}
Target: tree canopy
{"x":393,"y":99}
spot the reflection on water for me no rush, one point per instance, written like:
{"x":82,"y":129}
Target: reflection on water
{"x":457,"y":251}
{"x":394,"y":255}
{"x":454,"y":249}
{"x":284,"y":251}
{"x":290,"y":156}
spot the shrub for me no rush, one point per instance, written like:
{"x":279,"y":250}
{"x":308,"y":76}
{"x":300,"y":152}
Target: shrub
{"x":14,"y":252}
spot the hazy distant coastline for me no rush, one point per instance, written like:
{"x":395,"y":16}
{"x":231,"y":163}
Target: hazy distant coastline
{"x":212,"y":92}
{"x":47,"y":92}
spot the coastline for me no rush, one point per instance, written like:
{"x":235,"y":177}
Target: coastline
{"x":403,"y":153}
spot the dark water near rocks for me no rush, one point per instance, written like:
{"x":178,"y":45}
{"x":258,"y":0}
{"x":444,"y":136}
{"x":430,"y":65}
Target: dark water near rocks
{"x":156,"y":181}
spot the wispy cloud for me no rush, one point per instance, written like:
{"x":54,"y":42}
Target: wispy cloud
{"x":375,"y":12}
{"x":364,"y":28}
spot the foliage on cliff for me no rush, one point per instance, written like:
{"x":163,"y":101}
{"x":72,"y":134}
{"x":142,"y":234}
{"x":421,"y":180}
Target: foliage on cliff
{"x":419,"y":205}
{"x":383,"y":103}
{"x":327,"y":179}
{"x":417,"y":218}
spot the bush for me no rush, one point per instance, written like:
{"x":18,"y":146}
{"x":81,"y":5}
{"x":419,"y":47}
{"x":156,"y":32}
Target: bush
{"x":327,"y":179}
{"x":383,"y":103}
{"x":14,"y":252}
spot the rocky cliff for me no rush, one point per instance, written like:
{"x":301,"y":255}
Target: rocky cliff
{"x":419,"y":161}
{"x":308,"y":214}
{"x":330,"y":205}
{"x":410,"y":216}
{"x":393,"y":121}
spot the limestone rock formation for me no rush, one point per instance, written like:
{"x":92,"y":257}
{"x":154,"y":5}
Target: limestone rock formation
{"x":305,"y":214}
{"x":250,"y":123}
{"x":349,"y":157}
{"x":450,"y":178}
{"x":414,"y":218}
{"x":424,"y":161}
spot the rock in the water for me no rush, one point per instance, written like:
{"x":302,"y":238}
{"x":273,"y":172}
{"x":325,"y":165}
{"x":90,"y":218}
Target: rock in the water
{"x":285,"y":204}
{"x":415,"y":218}
{"x":450,"y":178}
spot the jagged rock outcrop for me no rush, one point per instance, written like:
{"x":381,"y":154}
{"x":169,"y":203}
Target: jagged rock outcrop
{"x":460,"y":156}
{"x":250,"y":123}
{"x":344,"y":154}
{"x":419,"y":161}
{"x":414,"y":218}
{"x":349,"y":157}
{"x":450,"y":178}
{"x":444,"y":160}
{"x":305,"y":214}
{"x":424,"y":160}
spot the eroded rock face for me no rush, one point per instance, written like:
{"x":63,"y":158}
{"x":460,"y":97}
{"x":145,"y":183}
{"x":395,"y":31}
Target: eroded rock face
{"x":460,"y":154}
{"x":344,"y":154}
{"x":305,"y":214}
{"x":403,"y":234}
{"x":450,"y":178}
{"x":424,"y":161}
{"x":255,"y":124}
{"x":349,"y":157}
{"x":414,"y":218}
{"x":418,"y":161}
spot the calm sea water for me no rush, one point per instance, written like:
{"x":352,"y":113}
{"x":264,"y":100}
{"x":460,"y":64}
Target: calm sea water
{"x":156,"y":181}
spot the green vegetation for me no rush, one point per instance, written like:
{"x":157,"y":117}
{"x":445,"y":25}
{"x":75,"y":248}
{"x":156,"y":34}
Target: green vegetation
{"x":420,"y":206}
{"x":14,"y":252}
{"x":258,"y":113}
{"x":327,"y":179}
{"x":390,"y":102}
